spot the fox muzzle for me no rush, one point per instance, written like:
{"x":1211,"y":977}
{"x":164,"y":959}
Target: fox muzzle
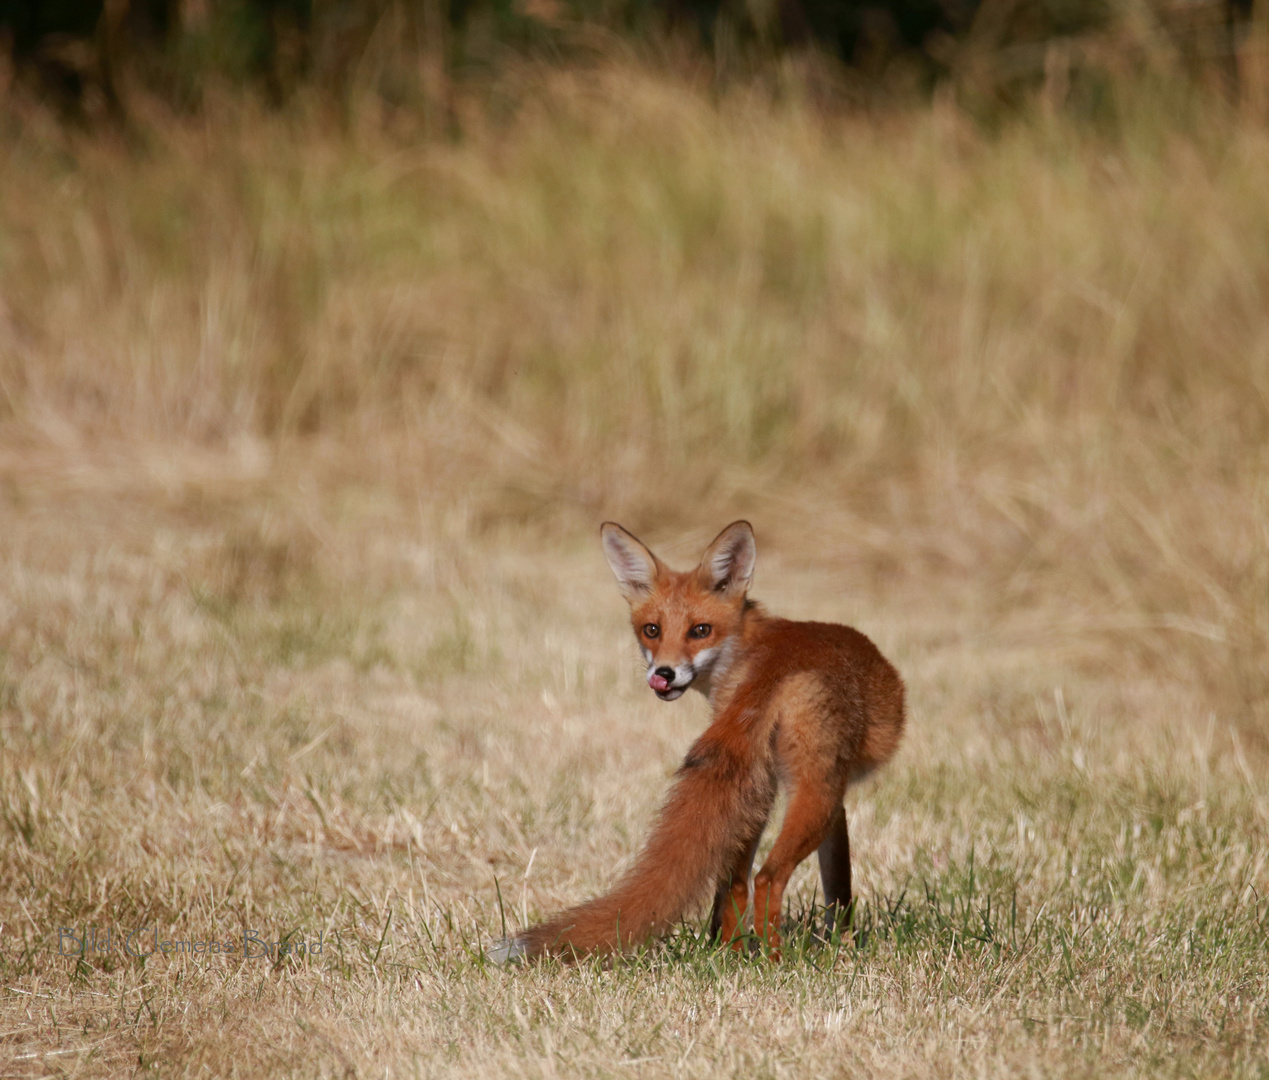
{"x":669,"y":683}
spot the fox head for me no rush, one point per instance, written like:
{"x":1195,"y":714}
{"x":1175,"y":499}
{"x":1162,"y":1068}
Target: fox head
{"x":686,"y":621}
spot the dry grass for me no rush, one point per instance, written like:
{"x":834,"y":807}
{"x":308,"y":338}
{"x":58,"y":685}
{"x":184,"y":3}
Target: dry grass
{"x":304,"y":628}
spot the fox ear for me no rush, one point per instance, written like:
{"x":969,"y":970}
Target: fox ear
{"x":727,"y":565}
{"x":634,"y":566}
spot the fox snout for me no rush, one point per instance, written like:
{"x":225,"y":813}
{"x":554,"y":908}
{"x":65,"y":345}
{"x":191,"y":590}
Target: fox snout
{"x":670,"y":682}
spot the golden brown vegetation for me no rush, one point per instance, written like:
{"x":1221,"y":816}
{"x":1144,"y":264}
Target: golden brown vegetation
{"x":304,"y":436}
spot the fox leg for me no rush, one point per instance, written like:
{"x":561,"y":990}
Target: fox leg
{"x":807,"y":822}
{"x":834,"y":857}
{"x":732,"y":899}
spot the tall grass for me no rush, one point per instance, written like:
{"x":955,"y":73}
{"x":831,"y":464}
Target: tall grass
{"x":1040,"y":354}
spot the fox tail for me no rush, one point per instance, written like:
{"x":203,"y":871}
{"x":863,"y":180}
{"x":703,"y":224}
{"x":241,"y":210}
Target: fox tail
{"x":720,"y":798}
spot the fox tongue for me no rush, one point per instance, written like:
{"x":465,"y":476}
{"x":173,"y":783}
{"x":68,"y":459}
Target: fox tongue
{"x":657,"y":682}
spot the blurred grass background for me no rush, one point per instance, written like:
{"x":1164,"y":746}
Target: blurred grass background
{"x":1022,"y":341}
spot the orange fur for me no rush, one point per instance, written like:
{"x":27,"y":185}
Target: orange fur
{"x":806,"y":704}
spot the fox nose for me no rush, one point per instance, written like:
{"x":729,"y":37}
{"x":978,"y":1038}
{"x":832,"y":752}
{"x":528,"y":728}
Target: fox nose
{"x":667,"y":673}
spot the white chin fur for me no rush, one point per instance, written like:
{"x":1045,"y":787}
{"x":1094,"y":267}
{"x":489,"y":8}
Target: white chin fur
{"x":670,"y":694}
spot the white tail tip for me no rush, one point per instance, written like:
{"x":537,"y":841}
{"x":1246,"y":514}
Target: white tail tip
{"x":505,"y":950}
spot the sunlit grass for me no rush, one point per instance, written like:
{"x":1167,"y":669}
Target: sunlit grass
{"x":304,"y":437}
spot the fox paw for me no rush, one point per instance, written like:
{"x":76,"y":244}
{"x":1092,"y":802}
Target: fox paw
{"x":506,"y":950}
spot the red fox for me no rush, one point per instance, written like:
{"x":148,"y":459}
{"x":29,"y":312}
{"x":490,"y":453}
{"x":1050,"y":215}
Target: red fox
{"x":810,"y":705}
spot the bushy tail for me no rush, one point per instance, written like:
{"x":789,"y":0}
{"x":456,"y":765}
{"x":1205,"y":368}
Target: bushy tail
{"x":718,"y":799}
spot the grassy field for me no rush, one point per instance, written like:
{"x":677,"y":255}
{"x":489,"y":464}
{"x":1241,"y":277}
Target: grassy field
{"x":306,"y":431}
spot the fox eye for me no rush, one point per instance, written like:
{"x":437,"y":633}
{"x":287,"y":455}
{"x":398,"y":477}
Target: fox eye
{"x":700,"y":630}
{"x":651,"y":630}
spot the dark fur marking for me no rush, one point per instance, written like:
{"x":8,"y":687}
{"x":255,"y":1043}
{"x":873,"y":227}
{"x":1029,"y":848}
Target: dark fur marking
{"x":698,"y":756}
